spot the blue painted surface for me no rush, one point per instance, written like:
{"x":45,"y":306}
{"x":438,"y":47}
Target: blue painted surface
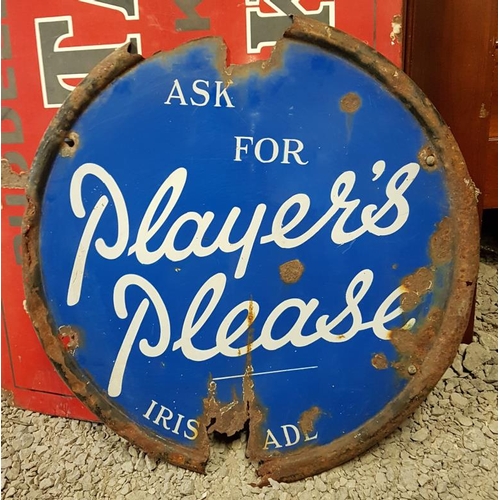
{"x":139,"y":141}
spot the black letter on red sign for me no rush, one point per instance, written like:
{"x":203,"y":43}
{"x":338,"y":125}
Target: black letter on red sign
{"x":263,"y":29}
{"x":193,"y":22}
{"x":60,"y":63}
{"x":128,"y":8}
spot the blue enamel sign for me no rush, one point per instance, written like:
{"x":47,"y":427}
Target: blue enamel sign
{"x":269,"y":247}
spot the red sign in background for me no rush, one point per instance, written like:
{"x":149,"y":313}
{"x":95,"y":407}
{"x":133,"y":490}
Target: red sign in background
{"x":47,"y":47}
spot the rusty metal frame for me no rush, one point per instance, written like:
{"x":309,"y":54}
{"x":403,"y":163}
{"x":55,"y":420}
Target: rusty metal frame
{"x":457,"y":240}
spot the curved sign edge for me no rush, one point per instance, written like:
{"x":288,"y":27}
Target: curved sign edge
{"x":462,"y":237}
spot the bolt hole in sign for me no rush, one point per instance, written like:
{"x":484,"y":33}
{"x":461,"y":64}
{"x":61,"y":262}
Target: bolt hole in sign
{"x":287,"y":247}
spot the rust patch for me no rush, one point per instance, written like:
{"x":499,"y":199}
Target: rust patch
{"x":69,"y":338}
{"x":251,"y":314}
{"x":70,"y":145}
{"x":413,"y":347}
{"x":231,"y":418}
{"x":291,"y":271}
{"x":11,"y":178}
{"x":256,"y":414}
{"x":308,"y":419}
{"x":397,"y":29}
{"x":416,"y":285}
{"x":379,"y":361}
{"x":350,"y":103}
{"x":8,"y":397}
{"x":239,"y":414}
{"x":228,"y":418}
{"x":427,"y":159}
{"x":265,"y":67}
{"x":441,"y":243}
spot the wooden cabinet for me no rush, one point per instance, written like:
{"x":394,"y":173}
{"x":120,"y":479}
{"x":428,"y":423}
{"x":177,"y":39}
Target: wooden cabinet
{"x":490,"y":188}
{"x":451,"y":53}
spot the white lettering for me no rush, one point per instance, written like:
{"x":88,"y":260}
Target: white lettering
{"x":356,"y":291}
{"x":294,"y":335}
{"x":396,"y":199}
{"x":120,"y":364}
{"x":246,"y":242}
{"x":191,"y":327}
{"x":176,"y":93}
{"x":292,"y":436}
{"x":199,"y":91}
{"x":150,"y":409}
{"x":271,"y":439}
{"x":240,"y":148}
{"x":382,"y":316}
{"x":147,"y":229}
{"x":273,"y":149}
{"x":108,"y":252}
{"x":286,"y":231}
{"x":199,"y":88}
{"x":310,"y":438}
{"x":175,"y":183}
{"x":192,"y":425}
{"x":286,"y":433}
{"x":222,"y":92}
{"x":213,"y":290}
{"x":178,"y":423}
{"x":166,"y":416}
{"x":169,"y":193}
{"x":164,"y":419}
{"x":223,"y":340}
{"x":295,"y":153}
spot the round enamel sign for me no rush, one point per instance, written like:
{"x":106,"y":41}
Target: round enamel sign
{"x":286,"y":247}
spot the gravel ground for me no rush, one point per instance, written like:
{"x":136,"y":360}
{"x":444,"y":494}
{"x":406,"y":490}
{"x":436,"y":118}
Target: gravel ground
{"x":446,"y":450}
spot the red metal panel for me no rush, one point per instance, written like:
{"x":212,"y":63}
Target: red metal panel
{"x":389,"y":16}
{"x":26,"y":371}
{"x":67,"y":35}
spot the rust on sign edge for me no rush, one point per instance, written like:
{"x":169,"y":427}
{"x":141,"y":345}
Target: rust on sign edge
{"x":52,"y":143}
{"x":70,"y":145}
{"x":416,"y":285}
{"x":11,"y":178}
{"x":443,"y":329}
{"x":465,"y":235}
{"x":69,"y":337}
